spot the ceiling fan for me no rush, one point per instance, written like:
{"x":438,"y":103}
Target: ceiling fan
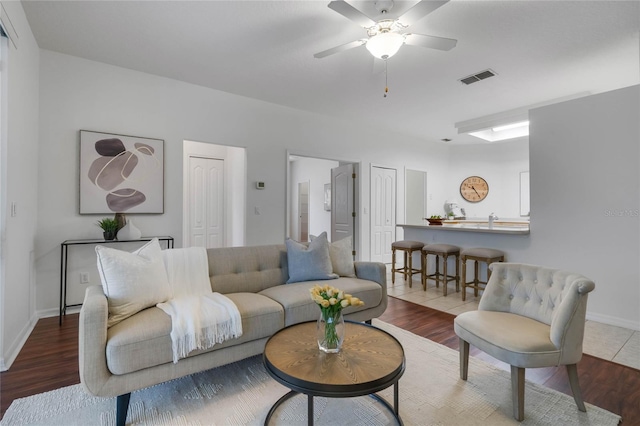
{"x":386,"y":36}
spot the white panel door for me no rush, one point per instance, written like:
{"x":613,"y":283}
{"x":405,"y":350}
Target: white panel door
{"x":383,"y":213}
{"x":342,"y":202}
{"x":206,"y":202}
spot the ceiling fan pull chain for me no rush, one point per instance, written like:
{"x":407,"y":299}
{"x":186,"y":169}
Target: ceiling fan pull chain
{"x":386,"y":77}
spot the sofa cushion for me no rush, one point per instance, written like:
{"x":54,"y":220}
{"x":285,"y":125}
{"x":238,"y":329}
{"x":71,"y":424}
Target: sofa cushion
{"x":143,"y":340}
{"x":298,"y":306}
{"x":247,"y":269}
{"x":309,"y":263}
{"x":132,"y":281}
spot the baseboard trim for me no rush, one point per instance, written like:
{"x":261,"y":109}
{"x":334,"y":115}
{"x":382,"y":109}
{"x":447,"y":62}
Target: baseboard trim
{"x":618,"y":322}
{"x":48,"y":313}
{"x":18,"y":343}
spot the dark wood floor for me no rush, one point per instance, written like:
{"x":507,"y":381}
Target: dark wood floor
{"x":49,"y":360}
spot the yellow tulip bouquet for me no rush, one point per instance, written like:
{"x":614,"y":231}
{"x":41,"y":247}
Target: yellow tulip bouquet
{"x":331,"y":302}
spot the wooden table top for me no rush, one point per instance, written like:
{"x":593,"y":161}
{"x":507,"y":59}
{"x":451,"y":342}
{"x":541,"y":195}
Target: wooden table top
{"x":370,"y":360}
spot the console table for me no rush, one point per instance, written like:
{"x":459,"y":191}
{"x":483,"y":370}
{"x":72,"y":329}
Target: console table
{"x":63,"y":264}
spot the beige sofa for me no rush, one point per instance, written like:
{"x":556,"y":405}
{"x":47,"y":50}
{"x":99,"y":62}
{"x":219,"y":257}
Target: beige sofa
{"x":136,"y":352}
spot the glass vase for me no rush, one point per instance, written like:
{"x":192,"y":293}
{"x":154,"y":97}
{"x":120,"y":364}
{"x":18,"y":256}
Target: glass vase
{"x":330,"y":331}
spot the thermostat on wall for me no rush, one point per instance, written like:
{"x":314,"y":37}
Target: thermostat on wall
{"x":260,"y":185}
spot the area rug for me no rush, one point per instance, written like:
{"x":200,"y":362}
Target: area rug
{"x":431,"y":393}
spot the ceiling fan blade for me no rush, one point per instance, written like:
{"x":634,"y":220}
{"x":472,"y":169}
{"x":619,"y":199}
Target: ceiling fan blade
{"x":432,"y":42}
{"x":350,"y":12}
{"x":339,"y":49}
{"x":419,"y":11}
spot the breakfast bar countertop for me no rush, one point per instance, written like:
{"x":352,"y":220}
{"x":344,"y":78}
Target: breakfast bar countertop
{"x":499,"y":226}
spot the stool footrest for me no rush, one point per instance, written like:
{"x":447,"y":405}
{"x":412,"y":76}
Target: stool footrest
{"x":440,"y":277}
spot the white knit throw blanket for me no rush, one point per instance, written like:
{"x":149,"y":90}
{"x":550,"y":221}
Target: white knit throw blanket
{"x":199,"y":317}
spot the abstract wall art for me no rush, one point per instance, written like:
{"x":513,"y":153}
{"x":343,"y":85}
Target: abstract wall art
{"x":120,"y":174}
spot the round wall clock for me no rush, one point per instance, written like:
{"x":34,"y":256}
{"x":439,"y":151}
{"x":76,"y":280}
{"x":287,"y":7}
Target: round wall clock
{"x":474,"y":189}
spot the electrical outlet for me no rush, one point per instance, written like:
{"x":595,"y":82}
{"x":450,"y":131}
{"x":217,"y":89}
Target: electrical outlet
{"x":84,"y":278}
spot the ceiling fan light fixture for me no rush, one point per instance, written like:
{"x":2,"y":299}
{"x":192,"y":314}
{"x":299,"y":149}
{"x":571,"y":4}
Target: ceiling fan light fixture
{"x":384,"y":45}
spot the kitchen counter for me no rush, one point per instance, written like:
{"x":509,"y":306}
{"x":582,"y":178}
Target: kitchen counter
{"x":499,"y":227}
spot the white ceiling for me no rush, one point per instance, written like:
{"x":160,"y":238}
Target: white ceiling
{"x":541,"y":50}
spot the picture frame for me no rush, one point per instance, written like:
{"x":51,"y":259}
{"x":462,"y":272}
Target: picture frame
{"x":120,"y":174}
{"x":327,"y":196}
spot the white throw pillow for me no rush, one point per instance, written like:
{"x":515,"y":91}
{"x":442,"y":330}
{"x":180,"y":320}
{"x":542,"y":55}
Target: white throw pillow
{"x":132,"y":281}
{"x":341,"y":256}
{"x":309,"y":263}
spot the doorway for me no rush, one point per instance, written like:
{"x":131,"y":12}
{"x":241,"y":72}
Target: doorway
{"x":214,"y":195}
{"x":325,"y":201}
{"x":303,"y":212}
{"x":415,"y":204}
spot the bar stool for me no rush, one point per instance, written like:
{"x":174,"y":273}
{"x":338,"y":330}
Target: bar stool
{"x":408,"y":247}
{"x":444,"y":250}
{"x":486,"y":255}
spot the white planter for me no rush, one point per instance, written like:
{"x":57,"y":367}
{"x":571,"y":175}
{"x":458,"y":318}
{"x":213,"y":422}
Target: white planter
{"x":129,"y":232}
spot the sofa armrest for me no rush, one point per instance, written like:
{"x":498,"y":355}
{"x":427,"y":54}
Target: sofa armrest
{"x":567,"y":324}
{"x":376,"y":272}
{"x":92,"y":340}
{"x":372,"y":271}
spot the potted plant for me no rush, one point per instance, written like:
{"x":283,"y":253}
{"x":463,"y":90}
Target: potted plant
{"x":109,"y":227}
{"x":435,"y":219}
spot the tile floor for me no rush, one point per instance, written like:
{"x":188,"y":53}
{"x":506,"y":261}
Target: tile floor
{"x":609,"y":342}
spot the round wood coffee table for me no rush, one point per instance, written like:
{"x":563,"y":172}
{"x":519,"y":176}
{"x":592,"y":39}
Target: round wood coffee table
{"x":370,"y":360}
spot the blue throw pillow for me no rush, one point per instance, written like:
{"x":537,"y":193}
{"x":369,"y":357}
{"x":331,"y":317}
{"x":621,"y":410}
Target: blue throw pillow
{"x":309,"y":263}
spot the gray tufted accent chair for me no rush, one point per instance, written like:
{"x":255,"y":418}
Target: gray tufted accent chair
{"x":529,"y":316}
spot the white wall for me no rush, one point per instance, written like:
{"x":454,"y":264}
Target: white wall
{"x":80,"y":94}
{"x":500,"y":165}
{"x":585,"y":197}
{"x":19,"y":185}
{"x":585,"y":201}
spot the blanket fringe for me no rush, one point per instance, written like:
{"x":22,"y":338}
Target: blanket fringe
{"x":206,"y":339}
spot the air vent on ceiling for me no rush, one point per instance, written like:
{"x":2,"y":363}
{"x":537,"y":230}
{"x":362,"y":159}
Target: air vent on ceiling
{"x":477,"y":77}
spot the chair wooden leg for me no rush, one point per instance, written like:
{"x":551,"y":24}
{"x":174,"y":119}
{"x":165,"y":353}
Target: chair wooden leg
{"x":407,"y":271}
{"x":476,"y":277}
{"x":423,"y":270}
{"x":464,"y":278}
{"x":464,"y":359}
{"x":517,"y":392}
{"x":437,"y":271}
{"x":445,"y":277}
{"x":572,"y":371}
{"x":457,"y":273}
{"x":393,"y":266}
